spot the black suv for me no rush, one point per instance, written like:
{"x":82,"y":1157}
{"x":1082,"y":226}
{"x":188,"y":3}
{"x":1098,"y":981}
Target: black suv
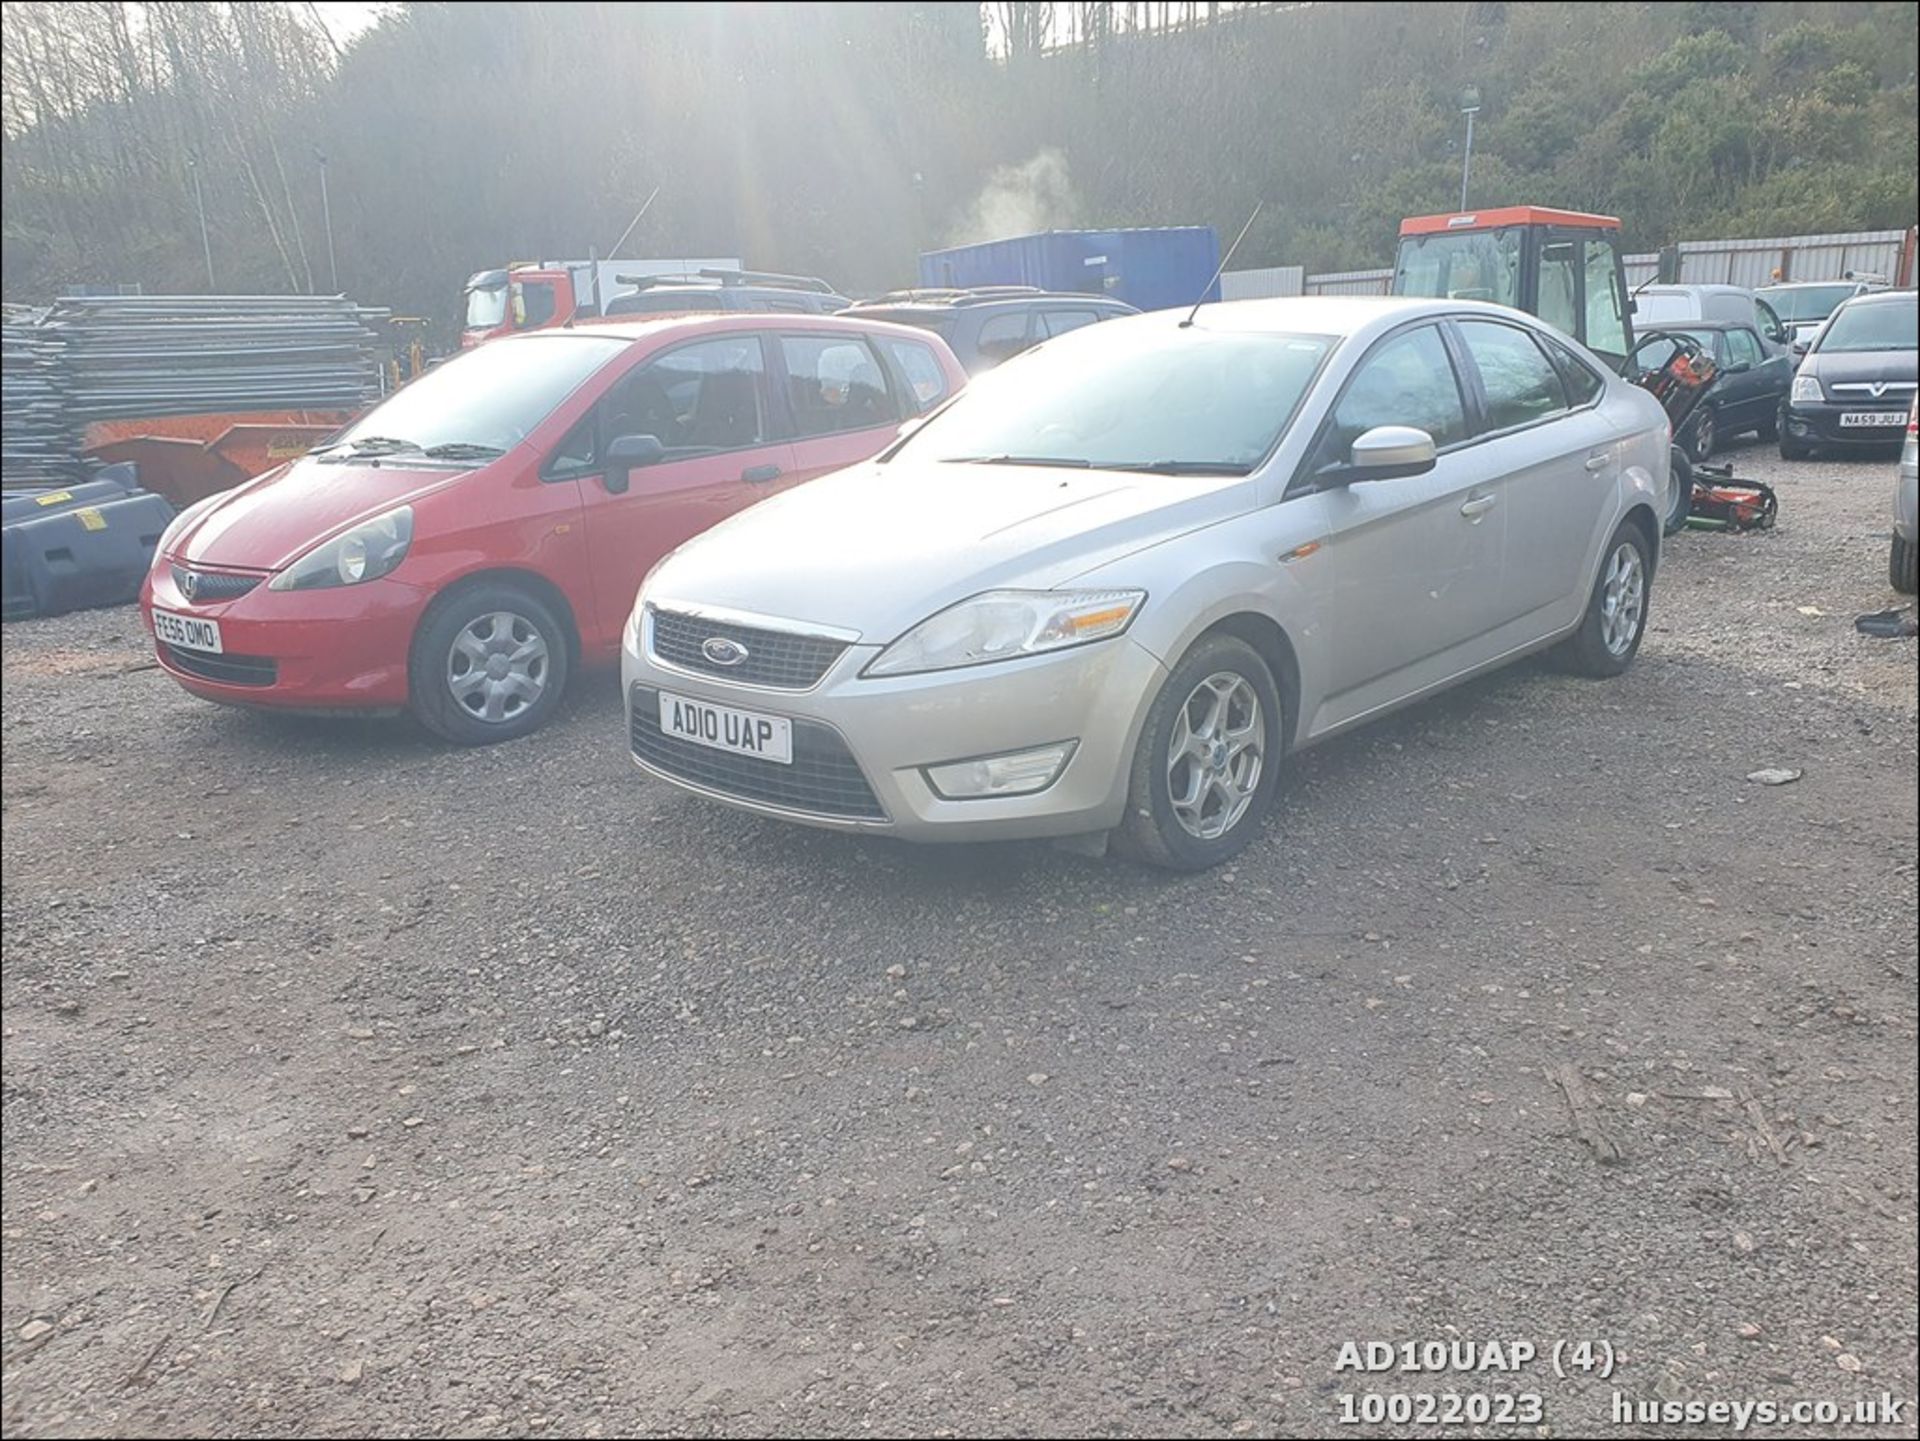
{"x":992,"y":323}
{"x":757,"y":290}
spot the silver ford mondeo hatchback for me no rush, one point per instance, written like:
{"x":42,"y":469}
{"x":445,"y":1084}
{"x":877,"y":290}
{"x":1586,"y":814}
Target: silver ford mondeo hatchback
{"x":1111,"y":584}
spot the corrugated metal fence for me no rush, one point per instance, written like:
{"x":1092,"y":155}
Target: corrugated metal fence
{"x":1641,"y":269}
{"x":1885,"y":254}
{"x":1880,"y":254}
{"x":1351,"y":282}
{"x":1267,"y":283}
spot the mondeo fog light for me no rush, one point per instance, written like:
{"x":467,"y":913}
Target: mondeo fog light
{"x":1018,"y":773}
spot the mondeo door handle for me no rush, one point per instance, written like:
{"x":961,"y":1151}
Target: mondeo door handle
{"x":1478,"y":505}
{"x":760,"y":474}
{"x":1600,"y":460}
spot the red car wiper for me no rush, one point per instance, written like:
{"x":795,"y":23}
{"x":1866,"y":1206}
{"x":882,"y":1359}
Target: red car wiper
{"x":367,"y":445}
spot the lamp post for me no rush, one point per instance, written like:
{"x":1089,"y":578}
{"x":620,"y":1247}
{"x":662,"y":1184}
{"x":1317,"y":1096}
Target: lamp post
{"x":326,"y":212}
{"x":1469,"y":107}
{"x":200,"y":204}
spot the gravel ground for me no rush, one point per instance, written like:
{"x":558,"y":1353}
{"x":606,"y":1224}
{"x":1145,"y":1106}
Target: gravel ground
{"x":355,"y":1085}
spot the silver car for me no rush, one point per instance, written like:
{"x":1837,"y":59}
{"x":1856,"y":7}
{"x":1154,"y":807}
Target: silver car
{"x":1105,"y":589}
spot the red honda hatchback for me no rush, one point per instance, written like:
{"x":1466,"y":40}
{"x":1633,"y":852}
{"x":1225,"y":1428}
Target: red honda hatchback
{"x":469,"y":541}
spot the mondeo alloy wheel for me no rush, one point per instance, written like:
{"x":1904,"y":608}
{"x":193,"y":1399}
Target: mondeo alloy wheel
{"x":1203,"y":771}
{"x":1615,"y":620}
{"x":1215,"y":755}
{"x":497,"y":667}
{"x":1623,"y":594}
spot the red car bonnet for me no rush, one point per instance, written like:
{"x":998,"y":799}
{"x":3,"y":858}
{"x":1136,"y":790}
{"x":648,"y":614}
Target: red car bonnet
{"x":273,"y":519}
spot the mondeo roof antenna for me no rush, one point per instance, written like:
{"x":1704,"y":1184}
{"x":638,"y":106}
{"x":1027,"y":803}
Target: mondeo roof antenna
{"x":1225,"y":261}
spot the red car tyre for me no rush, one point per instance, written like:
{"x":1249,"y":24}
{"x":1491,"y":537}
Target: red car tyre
{"x":489,"y":664}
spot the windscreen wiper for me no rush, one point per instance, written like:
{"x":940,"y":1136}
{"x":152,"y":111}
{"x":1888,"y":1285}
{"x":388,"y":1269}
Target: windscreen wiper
{"x":1182,"y":467}
{"x":1068,"y":461}
{"x":462,"y":450}
{"x":368,"y":445}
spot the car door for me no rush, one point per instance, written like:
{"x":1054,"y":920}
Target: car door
{"x":1761,"y":379}
{"x":1553,"y":458}
{"x":840,"y":398}
{"x":709,"y":404}
{"x":1777,"y":362}
{"x":1415,"y":562}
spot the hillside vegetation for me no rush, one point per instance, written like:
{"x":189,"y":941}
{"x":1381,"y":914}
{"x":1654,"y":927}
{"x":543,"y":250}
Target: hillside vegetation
{"x":842,"y":139}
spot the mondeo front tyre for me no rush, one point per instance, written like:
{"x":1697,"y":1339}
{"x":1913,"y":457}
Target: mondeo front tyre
{"x":1207,"y":761}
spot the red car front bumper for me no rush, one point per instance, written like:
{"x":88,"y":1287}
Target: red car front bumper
{"x":338,"y":648}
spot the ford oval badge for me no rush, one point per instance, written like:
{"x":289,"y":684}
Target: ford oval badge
{"x":723,"y":650}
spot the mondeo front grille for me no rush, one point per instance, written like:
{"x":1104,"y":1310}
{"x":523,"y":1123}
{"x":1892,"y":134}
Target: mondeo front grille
{"x":748,"y":654}
{"x":823,"y":779}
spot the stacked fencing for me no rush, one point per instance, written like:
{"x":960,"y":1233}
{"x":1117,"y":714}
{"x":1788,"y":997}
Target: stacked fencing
{"x":106,"y":357}
{"x":138,"y":355}
{"x":37,"y":441}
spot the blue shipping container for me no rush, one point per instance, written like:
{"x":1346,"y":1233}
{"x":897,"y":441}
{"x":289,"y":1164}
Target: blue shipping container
{"x":1149,"y":269}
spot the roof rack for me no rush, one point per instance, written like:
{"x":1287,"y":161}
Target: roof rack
{"x":769,"y":277}
{"x":646,"y":282}
{"x":895,"y":297}
{"x":708,"y":278}
{"x":952,"y":295}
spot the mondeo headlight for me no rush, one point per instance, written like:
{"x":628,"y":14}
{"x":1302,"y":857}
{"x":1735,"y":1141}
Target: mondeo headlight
{"x":367,"y":552}
{"x":1003,"y":624}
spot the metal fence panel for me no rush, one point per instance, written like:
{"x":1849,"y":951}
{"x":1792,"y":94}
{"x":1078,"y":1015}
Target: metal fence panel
{"x":1796,"y":257}
{"x":1263,"y":283}
{"x":1351,"y":282}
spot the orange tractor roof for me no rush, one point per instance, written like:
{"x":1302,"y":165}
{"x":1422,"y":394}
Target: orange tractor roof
{"x":1504,"y":216}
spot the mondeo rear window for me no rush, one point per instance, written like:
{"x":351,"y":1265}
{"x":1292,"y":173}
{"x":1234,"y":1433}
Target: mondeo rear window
{"x":1129,"y":397}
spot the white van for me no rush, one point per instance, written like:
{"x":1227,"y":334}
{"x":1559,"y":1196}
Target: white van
{"x":1655,"y":306}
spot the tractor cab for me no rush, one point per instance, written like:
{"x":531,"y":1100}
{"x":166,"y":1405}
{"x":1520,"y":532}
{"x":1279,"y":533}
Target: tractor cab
{"x":1560,"y":265}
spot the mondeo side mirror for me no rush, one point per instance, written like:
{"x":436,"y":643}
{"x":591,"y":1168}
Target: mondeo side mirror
{"x":1388,"y":452}
{"x":625,"y":453}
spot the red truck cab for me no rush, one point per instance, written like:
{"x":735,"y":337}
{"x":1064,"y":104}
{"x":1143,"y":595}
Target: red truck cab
{"x":521,"y":297}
